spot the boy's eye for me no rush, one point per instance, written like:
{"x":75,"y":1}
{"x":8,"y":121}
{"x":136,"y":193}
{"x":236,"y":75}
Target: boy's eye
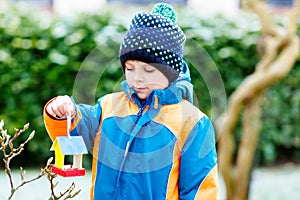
{"x":129,"y":68}
{"x":149,"y":69}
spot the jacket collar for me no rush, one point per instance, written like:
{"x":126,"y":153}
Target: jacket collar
{"x":178,"y":90}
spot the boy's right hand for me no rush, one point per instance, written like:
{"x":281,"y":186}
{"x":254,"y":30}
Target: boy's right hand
{"x":60,"y":107}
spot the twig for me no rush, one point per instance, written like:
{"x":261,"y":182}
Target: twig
{"x":67,"y":194}
{"x":9,"y":152}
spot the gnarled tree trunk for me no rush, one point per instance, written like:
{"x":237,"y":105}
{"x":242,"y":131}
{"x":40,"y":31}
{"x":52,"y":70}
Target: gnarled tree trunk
{"x":279,"y":52}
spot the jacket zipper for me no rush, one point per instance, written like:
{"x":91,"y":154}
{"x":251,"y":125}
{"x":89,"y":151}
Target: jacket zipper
{"x":138,"y":116}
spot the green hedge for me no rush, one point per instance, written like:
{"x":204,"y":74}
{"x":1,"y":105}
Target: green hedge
{"x":43,"y":56}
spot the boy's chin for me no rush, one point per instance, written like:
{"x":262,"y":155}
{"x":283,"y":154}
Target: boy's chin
{"x":142,"y":96}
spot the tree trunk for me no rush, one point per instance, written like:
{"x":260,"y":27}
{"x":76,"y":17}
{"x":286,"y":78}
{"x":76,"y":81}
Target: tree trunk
{"x":279,"y":51}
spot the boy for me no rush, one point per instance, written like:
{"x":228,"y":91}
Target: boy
{"x":148,"y":141}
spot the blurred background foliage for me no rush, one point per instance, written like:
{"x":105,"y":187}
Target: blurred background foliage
{"x":42,"y":56}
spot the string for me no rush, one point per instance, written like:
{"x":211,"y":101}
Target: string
{"x":68,"y":124}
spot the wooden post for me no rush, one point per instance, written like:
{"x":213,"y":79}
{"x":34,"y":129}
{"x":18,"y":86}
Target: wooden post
{"x":77,"y":161}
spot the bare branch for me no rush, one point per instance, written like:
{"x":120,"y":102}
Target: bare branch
{"x":22,"y":174}
{"x":67,"y":194}
{"x":293,"y":18}
{"x":7,"y":141}
{"x":263,"y":12}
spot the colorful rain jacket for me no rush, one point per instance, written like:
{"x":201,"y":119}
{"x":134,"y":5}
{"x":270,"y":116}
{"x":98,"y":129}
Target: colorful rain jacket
{"x":163,"y":148}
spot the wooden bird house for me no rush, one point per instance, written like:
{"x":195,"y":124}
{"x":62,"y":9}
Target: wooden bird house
{"x":68,"y":145}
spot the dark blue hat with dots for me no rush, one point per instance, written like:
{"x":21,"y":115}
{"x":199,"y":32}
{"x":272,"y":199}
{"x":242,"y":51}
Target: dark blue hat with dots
{"x":154,"y":38}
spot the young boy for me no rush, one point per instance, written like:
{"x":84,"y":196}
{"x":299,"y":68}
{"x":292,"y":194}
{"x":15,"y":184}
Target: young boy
{"x":148,"y":141}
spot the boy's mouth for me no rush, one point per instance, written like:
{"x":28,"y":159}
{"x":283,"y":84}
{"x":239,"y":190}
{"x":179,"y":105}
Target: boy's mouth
{"x":139,"y":89}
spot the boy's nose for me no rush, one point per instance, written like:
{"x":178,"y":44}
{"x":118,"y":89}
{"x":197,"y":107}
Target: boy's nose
{"x":138,"y":76}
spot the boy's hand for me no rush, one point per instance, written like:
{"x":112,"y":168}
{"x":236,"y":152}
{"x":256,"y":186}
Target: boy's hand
{"x":61,"y":106}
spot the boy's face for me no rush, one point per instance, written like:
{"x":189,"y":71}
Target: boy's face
{"x":144,"y":78}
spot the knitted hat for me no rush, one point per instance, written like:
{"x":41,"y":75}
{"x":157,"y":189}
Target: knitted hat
{"x":154,"y":38}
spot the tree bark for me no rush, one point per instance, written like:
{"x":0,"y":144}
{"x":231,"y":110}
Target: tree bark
{"x":251,"y":128}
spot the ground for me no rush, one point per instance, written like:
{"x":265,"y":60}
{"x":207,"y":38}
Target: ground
{"x":276,"y":183}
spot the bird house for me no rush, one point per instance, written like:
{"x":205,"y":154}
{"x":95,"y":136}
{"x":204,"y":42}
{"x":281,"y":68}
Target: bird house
{"x":68,"y":145}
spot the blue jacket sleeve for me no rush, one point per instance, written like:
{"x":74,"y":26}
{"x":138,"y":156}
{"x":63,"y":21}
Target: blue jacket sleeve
{"x":198,"y":168}
{"x":86,"y":122}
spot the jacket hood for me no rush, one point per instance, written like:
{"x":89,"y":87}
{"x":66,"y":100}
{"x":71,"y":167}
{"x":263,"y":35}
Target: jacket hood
{"x":178,"y":90}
